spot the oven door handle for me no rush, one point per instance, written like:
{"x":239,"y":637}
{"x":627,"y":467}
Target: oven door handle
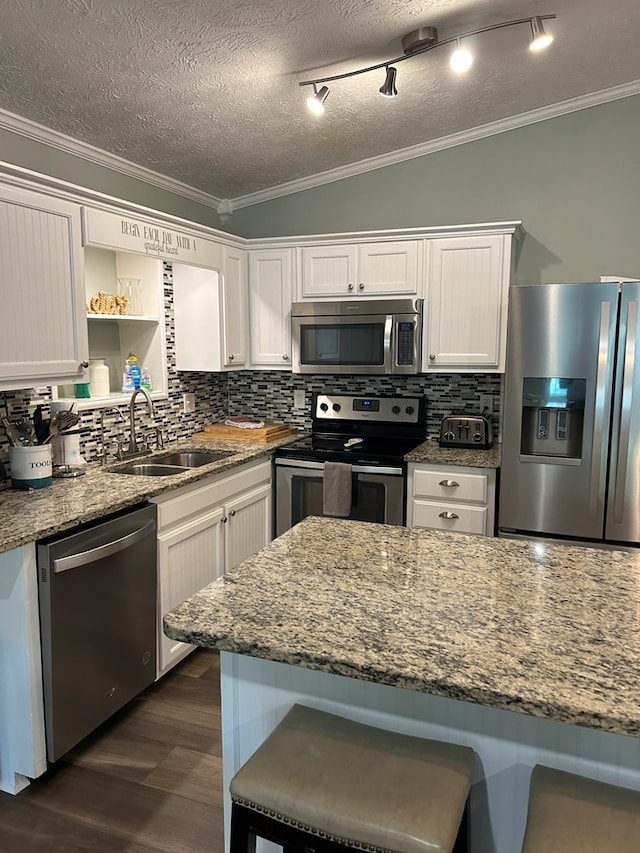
{"x":357,"y":469}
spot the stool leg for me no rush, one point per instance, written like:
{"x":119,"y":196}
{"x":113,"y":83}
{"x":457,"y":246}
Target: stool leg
{"x":242,"y":839}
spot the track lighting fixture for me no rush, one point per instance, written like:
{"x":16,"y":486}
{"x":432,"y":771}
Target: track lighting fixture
{"x":316,"y":101}
{"x":388,"y":88}
{"x":420,"y":41}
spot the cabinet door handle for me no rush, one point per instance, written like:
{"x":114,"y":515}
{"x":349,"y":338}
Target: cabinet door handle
{"x":349,"y":287}
{"x":448,"y":515}
{"x":224,"y":519}
{"x":285,"y":357}
{"x":361,"y":286}
{"x":83,"y":365}
{"x":231,"y":356}
{"x":232,"y":512}
{"x":449,"y":484}
{"x":432,"y":356}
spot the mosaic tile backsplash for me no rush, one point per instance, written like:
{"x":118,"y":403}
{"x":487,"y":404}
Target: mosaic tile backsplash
{"x":264,"y":394}
{"x":269,"y":394}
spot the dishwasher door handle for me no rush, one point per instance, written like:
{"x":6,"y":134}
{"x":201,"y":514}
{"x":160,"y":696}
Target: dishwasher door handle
{"x":75,"y":561}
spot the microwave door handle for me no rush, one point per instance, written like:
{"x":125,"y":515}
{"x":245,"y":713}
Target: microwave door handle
{"x":388,"y":341}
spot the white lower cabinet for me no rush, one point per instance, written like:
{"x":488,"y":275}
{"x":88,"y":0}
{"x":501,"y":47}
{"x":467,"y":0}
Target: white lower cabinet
{"x":452,"y":498}
{"x":203,"y":531}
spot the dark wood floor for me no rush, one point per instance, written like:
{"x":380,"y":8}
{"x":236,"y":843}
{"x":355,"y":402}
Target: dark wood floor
{"x":149,"y":780}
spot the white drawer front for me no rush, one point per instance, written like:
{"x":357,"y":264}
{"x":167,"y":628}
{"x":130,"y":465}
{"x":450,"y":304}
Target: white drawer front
{"x":453,"y":516}
{"x":211,"y":491}
{"x":451,"y":486}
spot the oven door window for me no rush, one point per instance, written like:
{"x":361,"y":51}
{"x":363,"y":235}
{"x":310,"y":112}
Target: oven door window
{"x":342,"y":343}
{"x":377,"y":499}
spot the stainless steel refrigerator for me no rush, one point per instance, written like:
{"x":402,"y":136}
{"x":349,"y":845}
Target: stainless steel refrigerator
{"x":571,"y":429}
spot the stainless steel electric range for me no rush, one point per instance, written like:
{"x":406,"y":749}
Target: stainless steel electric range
{"x":355,"y":451}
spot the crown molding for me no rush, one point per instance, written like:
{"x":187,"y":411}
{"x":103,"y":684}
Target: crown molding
{"x":481,"y":132}
{"x":40,"y":133}
{"x":62,"y":142}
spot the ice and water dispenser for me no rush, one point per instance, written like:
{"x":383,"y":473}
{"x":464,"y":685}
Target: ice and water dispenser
{"x":553,"y":418}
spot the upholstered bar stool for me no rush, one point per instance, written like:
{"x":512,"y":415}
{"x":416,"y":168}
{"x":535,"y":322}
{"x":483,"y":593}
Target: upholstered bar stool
{"x":328,"y":784}
{"x":568,"y":813}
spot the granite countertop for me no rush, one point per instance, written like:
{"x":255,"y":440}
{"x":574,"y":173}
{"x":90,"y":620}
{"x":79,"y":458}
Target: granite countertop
{"x":430,"y":453}
{"x":547,"y":630}
{"x":30,"y":515}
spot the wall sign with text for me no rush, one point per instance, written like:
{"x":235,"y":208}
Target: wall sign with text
{"x":128,"y":234}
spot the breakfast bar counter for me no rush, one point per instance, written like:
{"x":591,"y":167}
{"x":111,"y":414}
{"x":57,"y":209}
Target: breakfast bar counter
{"x":442,"y":635}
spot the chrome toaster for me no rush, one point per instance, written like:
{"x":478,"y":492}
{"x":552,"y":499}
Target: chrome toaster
{"x":466,"y":431}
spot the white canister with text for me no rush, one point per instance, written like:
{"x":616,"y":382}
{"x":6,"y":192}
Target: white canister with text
{"x":31,"y":466}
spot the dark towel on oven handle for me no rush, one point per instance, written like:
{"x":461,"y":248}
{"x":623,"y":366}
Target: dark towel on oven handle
{"x":336,"y":489}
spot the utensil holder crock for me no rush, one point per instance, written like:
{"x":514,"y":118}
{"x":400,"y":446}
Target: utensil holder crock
{"x":31,"y":467}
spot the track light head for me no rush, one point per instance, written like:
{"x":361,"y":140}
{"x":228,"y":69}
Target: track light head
{"x":461,"y":59}
{"x":316,"y":101}
{"x":388,"y":88}
{"x":540,"y":37}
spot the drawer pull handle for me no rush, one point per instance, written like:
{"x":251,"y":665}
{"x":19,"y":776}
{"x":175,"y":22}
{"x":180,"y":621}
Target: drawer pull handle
{"x":450,"y":484}
{"x":448,"y":515}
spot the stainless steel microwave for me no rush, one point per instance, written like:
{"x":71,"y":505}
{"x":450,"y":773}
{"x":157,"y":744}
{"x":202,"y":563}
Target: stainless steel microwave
{"x":357,"y":337}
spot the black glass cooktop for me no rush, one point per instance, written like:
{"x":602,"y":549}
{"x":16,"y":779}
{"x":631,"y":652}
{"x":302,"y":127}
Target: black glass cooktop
{"x":344,"y":448}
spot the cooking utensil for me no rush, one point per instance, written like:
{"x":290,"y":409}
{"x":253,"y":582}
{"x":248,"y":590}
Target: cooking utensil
{"x":12,"y":433}
{"x":67,"y":419}
{"x":60,"y":422}
{"x":20,"y":432}
{"x":42,"y":431}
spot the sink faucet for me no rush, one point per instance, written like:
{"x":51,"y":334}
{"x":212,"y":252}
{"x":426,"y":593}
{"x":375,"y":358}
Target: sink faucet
{"x":111,"y":410}
{"x":133,"y":444}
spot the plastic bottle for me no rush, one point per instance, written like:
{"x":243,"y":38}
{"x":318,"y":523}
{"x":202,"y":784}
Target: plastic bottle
{"x":145,"y":378}
{"x":127,"y":380}
{"x":133,"y":368}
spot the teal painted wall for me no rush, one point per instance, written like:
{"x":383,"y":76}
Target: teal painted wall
{"x":47,"y":160}
{"x":574,"y":181}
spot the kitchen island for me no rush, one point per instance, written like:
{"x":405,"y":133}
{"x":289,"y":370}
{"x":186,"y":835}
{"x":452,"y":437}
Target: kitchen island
{"x":525,"y":651}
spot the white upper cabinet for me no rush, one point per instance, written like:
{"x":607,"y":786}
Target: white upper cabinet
{"x":42,"y":281}
{"x":466,"y":303}
{"x":375,"y":269}
{"x":270,"y":296}
{"x":210,"y":314}
{"x":235,"y":308}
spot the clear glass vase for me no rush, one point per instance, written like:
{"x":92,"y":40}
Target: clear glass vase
{"x":130,"y":287}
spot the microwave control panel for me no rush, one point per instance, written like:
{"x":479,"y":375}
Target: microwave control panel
{"x":405,"y":343}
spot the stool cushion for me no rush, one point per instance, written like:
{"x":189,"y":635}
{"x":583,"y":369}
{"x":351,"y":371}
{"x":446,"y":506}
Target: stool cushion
{"x":357,"y":784}
{"x":572,"y":814}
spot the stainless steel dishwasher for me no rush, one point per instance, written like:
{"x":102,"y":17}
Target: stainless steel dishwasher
{"x":98,"y":615}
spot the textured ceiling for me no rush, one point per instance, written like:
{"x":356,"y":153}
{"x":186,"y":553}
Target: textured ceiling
{"x":206,"y":91}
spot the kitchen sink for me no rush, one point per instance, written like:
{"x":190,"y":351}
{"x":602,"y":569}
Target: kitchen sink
{"x":176,"y":462}
{"x":191,"y":458}
{"x":147,"y":469}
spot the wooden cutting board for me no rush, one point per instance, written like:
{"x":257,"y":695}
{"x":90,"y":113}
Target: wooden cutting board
{"x":268,"y":432}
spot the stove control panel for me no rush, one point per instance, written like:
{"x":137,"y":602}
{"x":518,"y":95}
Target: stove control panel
{"x":348,"y":407}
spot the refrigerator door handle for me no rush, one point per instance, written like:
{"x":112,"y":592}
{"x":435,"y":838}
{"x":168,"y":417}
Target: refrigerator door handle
{"x":597,"y":449}
{"x":625,"y":412}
